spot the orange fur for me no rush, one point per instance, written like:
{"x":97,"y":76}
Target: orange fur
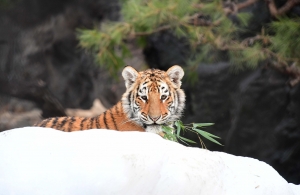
{"x":113,"y":118}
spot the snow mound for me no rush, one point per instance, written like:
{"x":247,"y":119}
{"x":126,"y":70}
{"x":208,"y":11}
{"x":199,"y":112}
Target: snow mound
{"x":36,"y":160}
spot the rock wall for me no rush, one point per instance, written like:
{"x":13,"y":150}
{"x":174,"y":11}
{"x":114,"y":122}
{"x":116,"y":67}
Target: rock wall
{"x":40,"y":57}
{"x":256,"y":113}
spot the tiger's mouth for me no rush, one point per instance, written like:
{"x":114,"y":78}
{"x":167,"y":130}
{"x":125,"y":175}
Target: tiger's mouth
{"x":153,"y":125}
{"x":154,"y":128}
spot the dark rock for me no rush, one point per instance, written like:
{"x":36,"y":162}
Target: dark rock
{"x":40,"y":58}
{"x":164,"y":50}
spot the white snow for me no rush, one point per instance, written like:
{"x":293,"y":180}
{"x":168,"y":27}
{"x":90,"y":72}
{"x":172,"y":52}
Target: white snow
{"x":36,"y":160}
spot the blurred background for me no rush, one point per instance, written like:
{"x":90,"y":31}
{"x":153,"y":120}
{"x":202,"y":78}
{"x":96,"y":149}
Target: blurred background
{"x":241,"y":61}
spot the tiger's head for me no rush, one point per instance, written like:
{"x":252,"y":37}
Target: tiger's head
{"x":153,"y":97}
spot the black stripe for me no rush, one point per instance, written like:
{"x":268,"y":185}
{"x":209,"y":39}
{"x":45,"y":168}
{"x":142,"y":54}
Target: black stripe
{"x":113,"y":118}
{"x":71,"y":124}
{"x":132,"y":97}
{"x":54,"y":122}
{"x":178,"y":101}
{"x":117,"y":110}
{"x":91,"y":123}
{"x":104,"y":119}
{"x":64,"y":122}
{"x":97,"y":122}
{"x":81,"y":124}
{"x":129,"y":97}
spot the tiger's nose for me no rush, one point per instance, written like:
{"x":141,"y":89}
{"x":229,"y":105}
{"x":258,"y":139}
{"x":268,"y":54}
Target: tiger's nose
{"x":154,"y":118}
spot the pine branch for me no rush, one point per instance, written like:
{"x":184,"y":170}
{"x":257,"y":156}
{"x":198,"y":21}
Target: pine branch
{"x":250,"y":40}
{"x":162,"y":28}
{"x":207,"y":29}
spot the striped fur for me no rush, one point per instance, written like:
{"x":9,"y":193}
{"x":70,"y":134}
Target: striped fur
{"x":153,"y":98}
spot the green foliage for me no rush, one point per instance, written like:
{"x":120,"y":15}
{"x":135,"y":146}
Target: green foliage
{"x":203,"y":24}
{"x":173,"y":133}
{"x":248,"y":56}
{"x":108,"y":45}
{"x":286,"y":39}
{"x":143,"y":18}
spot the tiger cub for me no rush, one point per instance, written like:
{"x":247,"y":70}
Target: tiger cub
{"x":153,"y":98}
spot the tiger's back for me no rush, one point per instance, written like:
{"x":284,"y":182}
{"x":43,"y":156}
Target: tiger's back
{"x":110,"y":119}
{"x":153,"y":98}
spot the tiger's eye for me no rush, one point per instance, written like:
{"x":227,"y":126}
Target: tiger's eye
{"x":144,"y":97}
{"x":163,"y":97}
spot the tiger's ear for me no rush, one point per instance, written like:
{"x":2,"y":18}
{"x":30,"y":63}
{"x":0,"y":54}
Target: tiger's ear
{"x":130,"y":75}
{"x":175,"y":73}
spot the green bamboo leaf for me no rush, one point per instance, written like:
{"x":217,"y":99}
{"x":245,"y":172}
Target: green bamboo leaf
{"x":195,"y":125}
{"x":184,"y":142}
{"x":181,"y":124}
{"x":167,"y":129}
{"x":213,"y":140}
{"x":187,"y":140}
{"x":171,"y":137}
{"x":178,"y":127}
{"x":204,"y":134}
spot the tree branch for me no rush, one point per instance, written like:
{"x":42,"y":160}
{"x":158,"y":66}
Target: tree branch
{"x":233,"y":8}
{"x":285,"y":8}
{"x":294,"y":70}
{"x":250,"y":40}
{"x":230,"y":7}
{"x":245,"y":4}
